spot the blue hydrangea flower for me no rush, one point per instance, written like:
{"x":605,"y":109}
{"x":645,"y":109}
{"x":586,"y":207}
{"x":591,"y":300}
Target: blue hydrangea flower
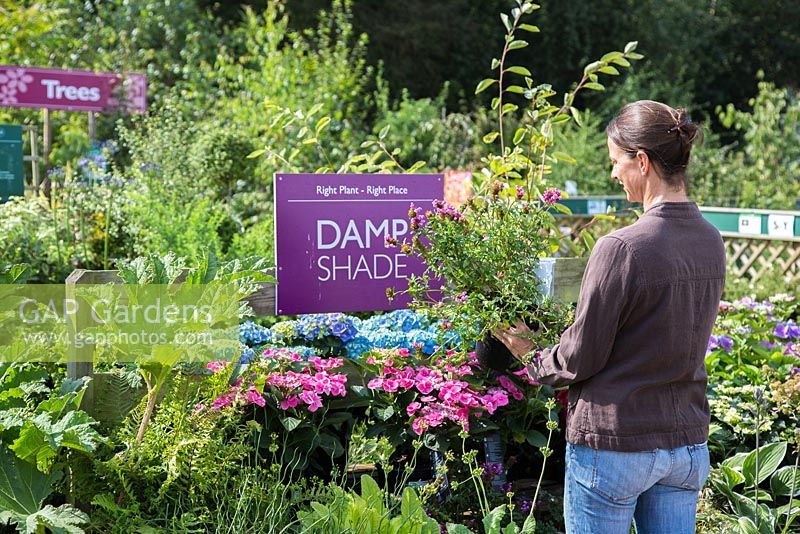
{"x":248,"y":355}
{"x":319,"y":325}
{"x":254,"y":335}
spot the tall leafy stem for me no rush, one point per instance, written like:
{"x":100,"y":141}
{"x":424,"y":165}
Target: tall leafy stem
{"x":528,"y":163}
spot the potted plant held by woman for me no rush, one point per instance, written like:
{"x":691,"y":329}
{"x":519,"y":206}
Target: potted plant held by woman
{"x":484,"y":259}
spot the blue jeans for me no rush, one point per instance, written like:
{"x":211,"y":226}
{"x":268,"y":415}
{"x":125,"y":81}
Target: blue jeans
{"x":605,"y":490}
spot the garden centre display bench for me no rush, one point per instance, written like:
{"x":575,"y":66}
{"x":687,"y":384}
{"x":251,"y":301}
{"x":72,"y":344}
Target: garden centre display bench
{"x":108,"y":401}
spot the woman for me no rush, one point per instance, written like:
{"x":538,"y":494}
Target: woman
{"x":634,"y":358}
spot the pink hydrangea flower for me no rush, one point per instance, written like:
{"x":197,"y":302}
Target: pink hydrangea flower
{"x":255,"y":397}
{"x":413,"y":408}
{"x":217,"y":366}
{"x":510,"y":387}
{"x":289,"y":402}
{"x":313,"y":400}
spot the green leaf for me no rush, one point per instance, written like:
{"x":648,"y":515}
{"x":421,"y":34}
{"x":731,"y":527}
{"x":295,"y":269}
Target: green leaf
{"x":575,"y":115}
{"x":588,"y":239}
{"x":784,"y":480}
{"x":490,"y":137}
{"x":484,"y":84}
{"x":561,"y":208}
{"x":790,"y":508}
{"x":506,"y":21}
{"x":770,"y":457}
{"x":611,"y":56}
{"x":519,"y":135}
{"x":290,"y":423}
{"x":40,"y":438}
{"x":515,"y":89}
{"x":731,"y":477}
{"x":561,"y":118}
{"x":66,"y":519}
{"x":458,"y":529}
{"x":631,"y":46}
{"x":592,"y":67}
{"x":509,"y":108}
{"x":536,"y":438}
{"x":17,"y":273}
{"x":594,"y":86}
{"x":385,"y":413}
{"x":22,"y":487}
{"x":517,"y":44}
{"x":416,"y":166}
{"x":384,"y":132}
{"x":494,"y":519}
{"x":634,"y":55}
{"x":321,"y":124}
{"x":561,"y":156}
{"x":310,"y":141}
{"x":256,"y":153}
{"x":529,"y":527}
{"x":371,"y":493}
{"x":736,"y":461}
{"x":519,"y":70}
{"x":622,"y":62}
{"x":529,"y":28}
{"x":746,"y":526}
{"x":608,"y":69}
{"x":495,"y":63}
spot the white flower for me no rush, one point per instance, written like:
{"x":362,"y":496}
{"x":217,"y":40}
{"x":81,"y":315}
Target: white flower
{"x":15,"y":80}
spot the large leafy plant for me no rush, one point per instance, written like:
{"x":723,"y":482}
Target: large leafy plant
{"x":38,"y":423}
{"x":758,"y":510}
{"x":369,"y":511}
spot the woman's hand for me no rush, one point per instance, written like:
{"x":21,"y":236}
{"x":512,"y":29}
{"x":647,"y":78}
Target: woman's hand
{"x":514,"y":338}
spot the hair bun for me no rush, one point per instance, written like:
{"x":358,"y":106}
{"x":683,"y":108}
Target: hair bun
{"x":687,"y":130}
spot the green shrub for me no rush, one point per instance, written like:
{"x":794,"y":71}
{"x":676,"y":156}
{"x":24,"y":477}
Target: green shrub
{"x":423,"y":131}
{"x":182,"y":174}
{"x":266,"y":68}
{"x":762,"y":170}
{"x":32,"y":232}
{"x":586,"y":142}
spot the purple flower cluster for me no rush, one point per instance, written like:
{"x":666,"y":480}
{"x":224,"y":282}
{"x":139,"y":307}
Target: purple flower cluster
{"x":787,"y":330}
{"x":418,"y":219}
{"x":551,"y":195}
{"x":491,"y":470}
{"x":447,"y":211}
{"x":719,"y":342}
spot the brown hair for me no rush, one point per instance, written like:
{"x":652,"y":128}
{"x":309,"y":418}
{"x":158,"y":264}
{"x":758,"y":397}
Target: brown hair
{"x":664,"y":134}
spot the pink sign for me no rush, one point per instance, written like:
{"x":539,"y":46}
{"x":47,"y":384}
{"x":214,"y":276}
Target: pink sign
{"x":75,"y":90}
{"x":330,"y":239}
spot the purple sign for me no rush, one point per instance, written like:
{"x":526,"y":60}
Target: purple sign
{"x":75,"y":90}
{"x":330,"y":239}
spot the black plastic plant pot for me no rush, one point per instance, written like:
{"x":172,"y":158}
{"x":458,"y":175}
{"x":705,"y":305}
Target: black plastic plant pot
{"x":493,"y":354}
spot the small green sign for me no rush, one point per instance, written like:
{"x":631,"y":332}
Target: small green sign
{"x":12,"y":171}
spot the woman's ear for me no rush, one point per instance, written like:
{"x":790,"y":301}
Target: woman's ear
{"x":643,"y":161}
